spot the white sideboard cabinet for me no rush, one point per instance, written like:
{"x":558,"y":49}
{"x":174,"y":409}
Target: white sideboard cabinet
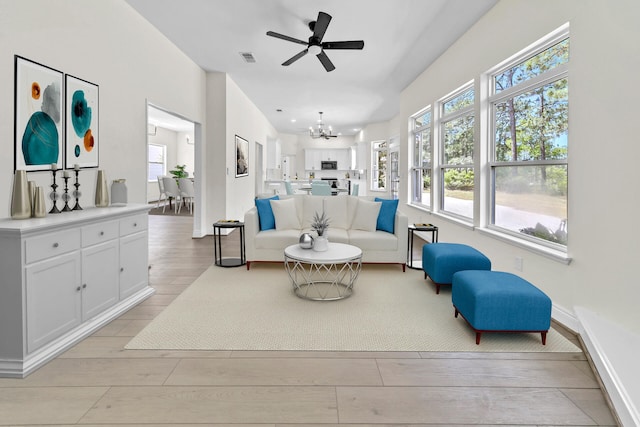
{"x":66,"y":275}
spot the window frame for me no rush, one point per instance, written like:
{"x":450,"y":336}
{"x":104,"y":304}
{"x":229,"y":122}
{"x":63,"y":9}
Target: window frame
{"x":493,"y":99}
{"x":418,"y":165}
{"x":375,"y":170}
{"x":441,"y":167}
{"x":149,"y":162}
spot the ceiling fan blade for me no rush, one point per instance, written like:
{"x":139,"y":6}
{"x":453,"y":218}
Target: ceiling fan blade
{"x":295,"y":58}
{"x":287,"y":38}
{"x":328,"y":65}
{"x":321,"y":25}
{"x":353,"y":44}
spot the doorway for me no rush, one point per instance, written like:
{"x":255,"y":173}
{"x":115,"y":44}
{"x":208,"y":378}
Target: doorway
{"x":172,"y":144}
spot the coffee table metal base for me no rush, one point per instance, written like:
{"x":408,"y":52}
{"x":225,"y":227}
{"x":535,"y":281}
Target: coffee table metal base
{"x":323,"y":280}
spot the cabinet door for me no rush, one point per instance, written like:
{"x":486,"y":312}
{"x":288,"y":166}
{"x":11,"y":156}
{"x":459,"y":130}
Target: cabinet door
{"x":134,"y":264}
{"x":100,"y":278}
{"x":53,"y":292}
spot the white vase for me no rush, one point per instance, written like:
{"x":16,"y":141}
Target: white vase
{"x":321,"y":244}
{"x":118,"y":192}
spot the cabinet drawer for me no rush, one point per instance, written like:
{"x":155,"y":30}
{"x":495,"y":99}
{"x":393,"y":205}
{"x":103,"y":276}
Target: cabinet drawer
{"x":49,"y":245}
{"x":133,"y":224}
{"x":97,"y":233}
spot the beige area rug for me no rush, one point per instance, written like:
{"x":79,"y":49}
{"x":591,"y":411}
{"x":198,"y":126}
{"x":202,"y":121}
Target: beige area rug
{"x":236,"y":309}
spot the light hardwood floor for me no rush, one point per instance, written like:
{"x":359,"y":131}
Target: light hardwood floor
{"x":98,"y":382}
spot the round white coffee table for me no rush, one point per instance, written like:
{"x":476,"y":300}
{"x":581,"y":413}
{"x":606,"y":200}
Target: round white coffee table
{"x":323,"y":276}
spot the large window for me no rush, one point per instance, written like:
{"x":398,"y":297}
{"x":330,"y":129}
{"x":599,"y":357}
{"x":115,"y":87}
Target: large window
{"x":529,"y":101}
{"x":421,"y":159}
{"x":379,"y":154}
{"x":157,"y":162}
{"x":456,"y":168}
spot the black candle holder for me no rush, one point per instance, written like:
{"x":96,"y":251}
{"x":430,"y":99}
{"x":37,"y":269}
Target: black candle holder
{"x":65,"y":195}
{"x":53,"y":195}
{"x":77,"y":193}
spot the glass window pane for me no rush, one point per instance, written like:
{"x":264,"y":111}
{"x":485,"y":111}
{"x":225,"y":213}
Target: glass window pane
{"x":417,"y":138}
{"x":534,"y":66}
{"x":423,"y":120}
{"x":426,"y":147}
{"x":458,"y":102}
{"x":458,"y":141}
{"x":155,"y":170}
{"x":156,"y":153}
{"x":458,"y":191}
{"x":532,"y":200}
{"x":533,"y":125}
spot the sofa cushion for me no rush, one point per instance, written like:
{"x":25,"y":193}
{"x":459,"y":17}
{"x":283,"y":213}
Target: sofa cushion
{"x":373,"y":241}
{"x":311,"y":205}
{"x":336,"y":210}
{"x":387,"y":215}
{"x":338,"y":235}
{"x":276,"y":239}
{"x":284,"y":212}
{"x":366,"y":215}
{"x":265,"y":214}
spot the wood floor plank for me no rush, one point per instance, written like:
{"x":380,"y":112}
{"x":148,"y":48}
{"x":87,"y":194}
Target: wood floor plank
{"x":485,"y":373}
{"x":458,"y":405}
{"x":215,"y":405}
{"x":279,"y":371}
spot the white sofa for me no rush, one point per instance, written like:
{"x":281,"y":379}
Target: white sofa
{"x":350,"y":222}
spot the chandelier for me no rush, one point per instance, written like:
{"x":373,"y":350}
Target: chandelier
{"x":320,"y":131}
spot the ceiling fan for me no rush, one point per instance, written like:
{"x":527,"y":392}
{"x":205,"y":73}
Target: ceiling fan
{"x":321,"y":132}
{"x":315,"y":45}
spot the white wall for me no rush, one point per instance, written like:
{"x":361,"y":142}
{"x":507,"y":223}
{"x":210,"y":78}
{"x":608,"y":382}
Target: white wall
{"x":57,"y":34}
{"x":600,"y":286}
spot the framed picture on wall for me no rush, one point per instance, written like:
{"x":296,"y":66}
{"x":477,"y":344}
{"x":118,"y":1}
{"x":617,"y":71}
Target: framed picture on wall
{"x":242,"y":157}
{"x":38,"y":126}
{"x":82,"y":120}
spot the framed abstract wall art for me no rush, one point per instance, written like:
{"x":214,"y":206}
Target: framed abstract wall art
{"x":82,"y":113}
{"x":242,"y":157}
{"x":38,"y":126}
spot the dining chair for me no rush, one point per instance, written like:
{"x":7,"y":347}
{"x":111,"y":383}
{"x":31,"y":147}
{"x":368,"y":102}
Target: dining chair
{"x":354,"y":189}
{"x":320,"y":189}
{"x":187,"y":192}
{"x":172,"y":191}
{"x":162,"y":196}
{"x":289,"y":187}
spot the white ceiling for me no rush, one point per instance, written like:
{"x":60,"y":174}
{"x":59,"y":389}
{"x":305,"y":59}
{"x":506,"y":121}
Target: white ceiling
{"x":402,"y":38}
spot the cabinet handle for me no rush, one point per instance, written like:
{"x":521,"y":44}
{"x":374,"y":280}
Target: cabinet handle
{"x":78,"y":289}
{"x":102,"y":233}
{"x":121,"y":269}
{"x":135,"y":224}
{"x":55,"y":245}
{"x":84,"y":286}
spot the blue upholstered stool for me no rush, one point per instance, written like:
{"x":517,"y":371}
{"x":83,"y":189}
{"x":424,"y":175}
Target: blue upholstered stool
{"x":495,"y":301}
{"x":441,"y":260}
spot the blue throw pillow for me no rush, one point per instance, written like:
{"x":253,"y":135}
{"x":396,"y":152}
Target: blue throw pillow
{"x":387,"y":215}
{"x":265,"y":214}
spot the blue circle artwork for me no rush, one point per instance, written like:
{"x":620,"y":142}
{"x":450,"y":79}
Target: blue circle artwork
{"x":40,"y":140}
{"x":76,"y":151}
{"x":80,"y":113}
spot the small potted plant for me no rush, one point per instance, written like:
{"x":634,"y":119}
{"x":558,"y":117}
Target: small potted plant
{"x":320,"y":224}
{"x":179,"y":172}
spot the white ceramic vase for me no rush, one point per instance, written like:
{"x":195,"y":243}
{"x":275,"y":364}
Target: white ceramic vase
{"x":20,"y":198}
{"x":118,"y":192}
{"x":321,"y":244}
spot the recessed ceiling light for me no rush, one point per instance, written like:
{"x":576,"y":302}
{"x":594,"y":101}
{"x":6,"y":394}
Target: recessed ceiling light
{"x":293,"y":120}
{"x":279,"y":110}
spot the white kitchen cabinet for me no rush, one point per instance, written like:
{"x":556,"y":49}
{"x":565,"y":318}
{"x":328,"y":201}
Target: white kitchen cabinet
{"x":133,"y":273}
{"x":62,"y":279}
{"x":53,"y":298}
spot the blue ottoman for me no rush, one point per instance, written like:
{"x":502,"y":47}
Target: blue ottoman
{"x":495,"y":301}
{"x":441,"y":260}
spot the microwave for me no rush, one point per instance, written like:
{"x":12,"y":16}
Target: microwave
{"x":329,"y":165}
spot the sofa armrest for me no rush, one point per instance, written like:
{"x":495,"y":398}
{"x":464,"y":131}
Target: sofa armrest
{"x":400,"y":229}
{"x":251,"y":229}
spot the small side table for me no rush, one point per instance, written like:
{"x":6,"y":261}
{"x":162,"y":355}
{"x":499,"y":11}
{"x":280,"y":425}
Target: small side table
{"x":417,"y":265}
{"x":217,"y":244}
